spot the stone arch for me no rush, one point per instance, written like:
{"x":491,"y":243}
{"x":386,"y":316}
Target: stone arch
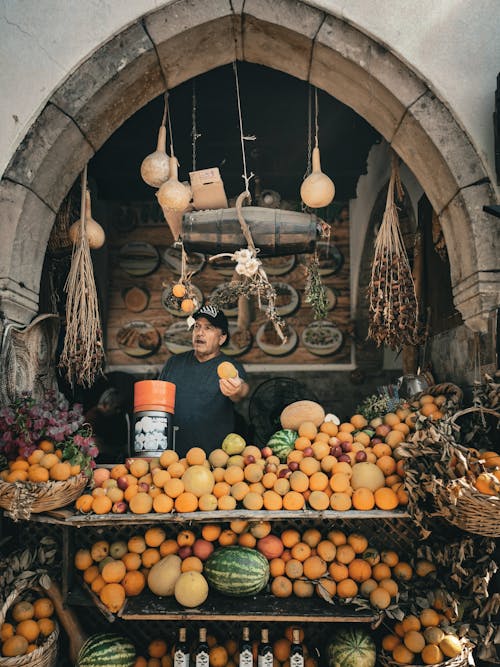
{"x":188,"y":37}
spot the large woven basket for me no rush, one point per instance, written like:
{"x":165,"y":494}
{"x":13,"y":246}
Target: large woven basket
{"x":21,"y":499}
{"x":43,"y":656}
{"x":462,"y":505}
{"x":453,"y":393}
{"x":461,"y":660}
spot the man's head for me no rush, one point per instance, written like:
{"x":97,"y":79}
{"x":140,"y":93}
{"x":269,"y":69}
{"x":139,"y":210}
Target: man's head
{"x":210,"y":331}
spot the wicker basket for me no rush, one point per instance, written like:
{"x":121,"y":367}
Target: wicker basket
{"x":461,"y":660}
{"x":462,"y":505}
{"x":452,"y":392}
{"x":21,"y":499}
{"x":43,"y":656}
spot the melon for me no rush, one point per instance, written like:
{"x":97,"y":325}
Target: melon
{"x":163,"y":575}
{"x":367,"y":476}
{"x":302,"y":411}
{"x":237,"y":571}
{"x":282,"y":443}
{"x":191,"y":589}
{"x":198,"y":480}
{"x":106,"y":650}
{"x":270,"y":546}
{"x":352,"y":647}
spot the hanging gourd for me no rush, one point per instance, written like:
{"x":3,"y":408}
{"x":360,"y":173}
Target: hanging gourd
{"x":317,"y":190}
{"x":173,"y":195}
{"x":93,"y":230}
{"x":155,"y":168}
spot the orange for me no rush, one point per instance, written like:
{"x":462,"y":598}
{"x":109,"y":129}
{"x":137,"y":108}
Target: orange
{"x":207,"y":502}
{"x":390,"y":558}
{"x":253,"y":501}
{"x":163,"y":504}
{"x":46,"y":446}
{"x":277,"y":567}
{"x":14,"y":646}
{"x":303,"y":589}
{"x":363,"y":499}
{"x":113,"y":571}
{"x":387,"y":464}
{"x":174,"y":487}
{"x":272,"y":500}
{"x":319,"y":500}
{"x":318,"y":481}
{"x":191,"y":564}
{"x":35,"y":456}
{"x":414,"y":641}
{"x":347,"y":588}
{"x":141,"y":503}
{"x":337,"y":537}
{"x":429,"y":618}
{"x":326,"y":550}
{"x":47,"y":626}
{"x":157,"y":648}
{"x":411,"y":622}
{"x":89,"y":575}
{"x":234,"y":474}
{"x":177,"y":469}
{"x":61,"y":471}
{"x":402,"y":655}
{"x":83,"y":560}
{"x":381,"y":449}
{"x":329,"y":428}
{"x":227,"y":538}
{"x":28,"y":629}
{"x":432,"y":655}
{"x":299,"y":481}
{"x":132,"y":561}
{"x":160,"y":477}
{"x":38,"y":474}
{"x":281,"y":587}
{"x":314,"y":567}
{"x":187,"y":305}
{"x":308,"y":430}
{"x":345,"y":554}
{"x":196,"y":456}
{"x":346,"y":427}
{"x":358,"y":542}
{"x":168,"y":457}
{"x":150,"y":557}
{"x":218,"y":656}
{"x":113,"y":596}
{"x":389,"y":642}
{"x":338,"y":571}
{"x":394,"y":438}
{"x":293,"y":500}
{"x":359,"y":421}
{"x":309,"y":465}
{"x":226,"y":503}
{"x":49,"y":460}
{"x":339,"y":482}
{"x":294,"y":568}
{"x":312,"y":537}
{"x":211,"y":532}
{"x":342,"y":467}
{"x":327,"y":463}
{"x":301,"y":551}
{"x":386,"y":499}
{"x":290,"y":537}
{"x":403,"y":571}
{"x":281,"y":649}
{"x":359,"y":570}
{"x":380,"y":598}
{"x":137,"y":544}
{"x":341,"y":502}
{"x":381,"y":571}
{"x":302,"y":443}
{"x":390,"y":586}
{"x":139,"y":467}
{"x":6,"y":631}
{"x":239,"y":490}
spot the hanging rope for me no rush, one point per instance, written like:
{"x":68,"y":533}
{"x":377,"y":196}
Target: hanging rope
{"x":194,"y":130}
{"x":168,"y":113}
{"x":243,"y":138}
{"x":316,"y":120}
{"x":309,"y":137}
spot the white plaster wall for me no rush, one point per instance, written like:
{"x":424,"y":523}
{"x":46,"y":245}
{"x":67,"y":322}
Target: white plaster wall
{"x":452,"y":44}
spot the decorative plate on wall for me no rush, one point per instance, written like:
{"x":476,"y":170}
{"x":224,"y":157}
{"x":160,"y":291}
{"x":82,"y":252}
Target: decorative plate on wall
{"x":173,"y":305}
{"x":178,"y":338}
{"x":229,"y":309}
{"x":239,"y":341}
{"x":223,"y":265}
{"x":330,"y":258}
{"x":136,"y":299}
{"x":172,"y":258}
{"x":138,"y":259}
{"x":269,"y":342}
{"x":138,"y":339}
{"x":278,"y":266}
{"x":322,"y":338}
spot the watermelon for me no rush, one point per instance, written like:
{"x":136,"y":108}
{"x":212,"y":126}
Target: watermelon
{"x":282,"y":443}
{"x":107,"y":650}
{"x":237,"y":571}
{"x":352,"y":647}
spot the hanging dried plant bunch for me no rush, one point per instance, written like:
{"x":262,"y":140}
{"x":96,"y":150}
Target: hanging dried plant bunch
{"x":393,"y":307}
{"x":83,"y":353}
{"x":315,"y":292}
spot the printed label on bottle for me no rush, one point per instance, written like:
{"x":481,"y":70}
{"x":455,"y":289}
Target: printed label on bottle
{"x":181,"y":659}
{"x":265,"y":660}
{"x":201,"y":659}
{"x":246,"y":658}
{"x":296,"y":660}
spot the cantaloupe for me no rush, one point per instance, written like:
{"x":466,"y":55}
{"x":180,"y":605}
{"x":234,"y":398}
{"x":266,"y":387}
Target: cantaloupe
{"x":368,"y":476}
{"x":163,"y":575}
{"x":301,"y":411}
{"x":191,"y":589}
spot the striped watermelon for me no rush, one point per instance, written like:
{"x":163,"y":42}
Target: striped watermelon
{"x":237,"y":571}
{"x":282,"y":443}
{"x":106,"y":650}
{"x":352,"y":647}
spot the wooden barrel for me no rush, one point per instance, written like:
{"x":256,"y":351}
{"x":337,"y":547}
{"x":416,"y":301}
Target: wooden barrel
{"x":274,"y":231}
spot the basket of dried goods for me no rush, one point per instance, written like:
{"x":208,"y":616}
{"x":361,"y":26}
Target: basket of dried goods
{"x":472,"y":502}
{"x":418,"y":640}
{"x":29,"y":630}
{"x":438,"y":400}
{"x":46,"y":455}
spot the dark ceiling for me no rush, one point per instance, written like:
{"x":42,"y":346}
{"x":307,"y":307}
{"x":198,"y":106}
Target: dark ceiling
{"x":275,"y":110}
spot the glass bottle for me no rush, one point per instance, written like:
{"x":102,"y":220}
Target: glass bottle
{"x":181,"y":654}
{"x":246,"y":653}
{"x":296,"y":652}
{"x":201,"y":653}
{"x":265,"y":655}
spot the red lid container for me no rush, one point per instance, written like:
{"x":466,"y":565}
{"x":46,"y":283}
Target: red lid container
{"x":154,"y":395}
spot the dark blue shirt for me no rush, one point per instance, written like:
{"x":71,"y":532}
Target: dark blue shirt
{"x":203,"y":414}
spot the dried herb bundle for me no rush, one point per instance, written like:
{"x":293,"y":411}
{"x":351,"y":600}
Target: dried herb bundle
{"x":315,"y":292}
{"x":83,"y":353}
{"x":393,"y":308}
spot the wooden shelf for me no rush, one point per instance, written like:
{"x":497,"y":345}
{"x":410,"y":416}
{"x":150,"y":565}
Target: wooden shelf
{"x":148,"y":607}
{"x":68,"y":517}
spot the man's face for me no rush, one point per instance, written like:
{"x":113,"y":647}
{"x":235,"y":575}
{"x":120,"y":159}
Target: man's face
{"x":207,"y":338}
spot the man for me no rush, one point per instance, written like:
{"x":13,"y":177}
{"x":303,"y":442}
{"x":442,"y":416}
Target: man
{"x":204,"y":404}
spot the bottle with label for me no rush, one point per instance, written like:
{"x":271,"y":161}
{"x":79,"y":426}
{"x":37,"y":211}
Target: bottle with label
{"x":181,"y":654}
{"x":246,"y":654}
{"x":296,"y":651}
{"x":265,"y":654}
{"x":201,"y":653}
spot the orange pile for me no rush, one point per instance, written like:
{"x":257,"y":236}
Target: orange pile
{"x":28,"y":624}
{"x":44,"y":464}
